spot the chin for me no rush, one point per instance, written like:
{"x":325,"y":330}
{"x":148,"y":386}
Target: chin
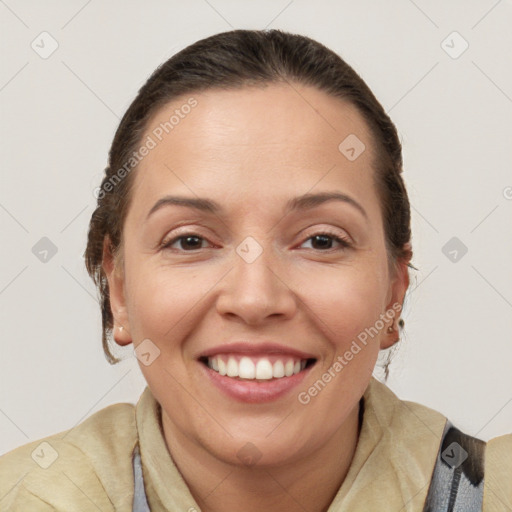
{"x":258,"y":451}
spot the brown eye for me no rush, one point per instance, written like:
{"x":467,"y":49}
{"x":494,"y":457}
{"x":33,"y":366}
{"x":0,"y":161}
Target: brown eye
{"x":185,"y":242}
{"x":324,"y":241}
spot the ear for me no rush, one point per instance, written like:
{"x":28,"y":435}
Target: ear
{"x":398,"y":287}
{"x":115,"y":278}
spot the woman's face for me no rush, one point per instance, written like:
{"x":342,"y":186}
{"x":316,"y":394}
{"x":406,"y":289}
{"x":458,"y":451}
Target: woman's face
{"x":247,"y":274}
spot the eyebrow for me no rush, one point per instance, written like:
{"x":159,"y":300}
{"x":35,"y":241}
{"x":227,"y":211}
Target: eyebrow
{"x":304,"y":202}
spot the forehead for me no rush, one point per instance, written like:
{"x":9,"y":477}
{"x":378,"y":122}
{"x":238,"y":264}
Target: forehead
{"x":277,"y":140}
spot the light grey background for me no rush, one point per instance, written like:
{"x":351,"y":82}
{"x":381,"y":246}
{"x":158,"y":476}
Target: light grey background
{"x":59,"y":114}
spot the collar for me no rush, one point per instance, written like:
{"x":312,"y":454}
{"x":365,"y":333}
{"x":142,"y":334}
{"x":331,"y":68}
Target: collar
{"x":393,"y":461}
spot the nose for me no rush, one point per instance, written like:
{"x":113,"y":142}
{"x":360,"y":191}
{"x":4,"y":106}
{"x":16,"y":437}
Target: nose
{"x":256,"y":291}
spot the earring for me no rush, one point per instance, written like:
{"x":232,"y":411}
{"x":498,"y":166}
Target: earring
{"x":390,"y":329}
{"x":120,"y":328}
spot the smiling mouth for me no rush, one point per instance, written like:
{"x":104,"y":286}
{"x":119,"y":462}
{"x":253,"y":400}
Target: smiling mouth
{"x":255,"y":368}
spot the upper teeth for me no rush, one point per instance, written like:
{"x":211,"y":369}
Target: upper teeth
{"x":256,"y":368}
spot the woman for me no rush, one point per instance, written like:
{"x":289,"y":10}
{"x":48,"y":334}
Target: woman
{"x":252,"y":240}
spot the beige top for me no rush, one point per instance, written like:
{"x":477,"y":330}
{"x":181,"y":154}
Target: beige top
{"x":89,"y":467}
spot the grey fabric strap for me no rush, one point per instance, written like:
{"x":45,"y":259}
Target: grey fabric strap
{"x":457,"y":483}
{"x":140,"y":502}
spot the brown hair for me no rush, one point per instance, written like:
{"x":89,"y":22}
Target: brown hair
{"x":230,"y":60}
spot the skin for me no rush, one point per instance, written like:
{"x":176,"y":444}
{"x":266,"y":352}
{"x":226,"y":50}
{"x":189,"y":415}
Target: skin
{"x":251,"y":150}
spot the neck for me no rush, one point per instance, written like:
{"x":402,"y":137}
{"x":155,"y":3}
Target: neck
{"x":310,"y":483}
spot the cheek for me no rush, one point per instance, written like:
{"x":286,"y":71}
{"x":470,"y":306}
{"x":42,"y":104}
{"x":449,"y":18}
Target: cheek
{"x":345,"y":304}
{"x":162,"y":300}
{"x":162,"y":307}
{"x":346,"y":298}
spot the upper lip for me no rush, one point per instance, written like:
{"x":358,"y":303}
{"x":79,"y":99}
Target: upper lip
{"x":247,"y":347}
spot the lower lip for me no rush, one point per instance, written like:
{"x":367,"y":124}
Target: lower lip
{"x":254,"y":391}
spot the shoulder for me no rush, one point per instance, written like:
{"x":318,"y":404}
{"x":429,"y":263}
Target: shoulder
{"x":68,"y":470}
{"x":395,"y":454}
{"x":423,"y":434}
{"x":498,"y":474}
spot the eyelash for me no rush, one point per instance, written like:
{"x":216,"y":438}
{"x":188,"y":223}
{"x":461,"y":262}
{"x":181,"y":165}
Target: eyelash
{"x":344,"y":242}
